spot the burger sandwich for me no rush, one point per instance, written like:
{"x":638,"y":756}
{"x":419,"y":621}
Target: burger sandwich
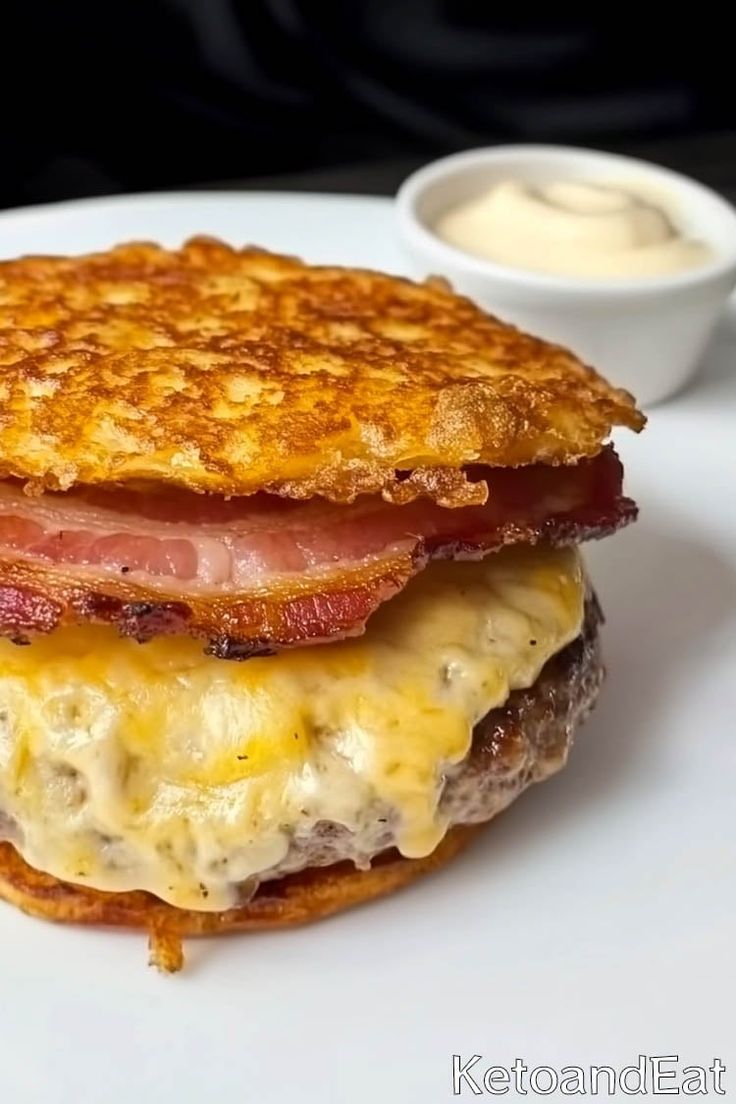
{"x":290,"y":593}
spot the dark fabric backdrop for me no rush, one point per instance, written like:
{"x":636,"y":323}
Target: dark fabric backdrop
{"x":118,"y":95}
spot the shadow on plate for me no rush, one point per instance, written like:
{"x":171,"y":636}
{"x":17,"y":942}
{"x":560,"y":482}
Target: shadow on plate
{"x":716,"y":377}
{"x":665,"y":597}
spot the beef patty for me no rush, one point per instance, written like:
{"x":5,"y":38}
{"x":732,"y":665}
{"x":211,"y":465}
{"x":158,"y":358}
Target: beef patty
{"x":524,"y":741}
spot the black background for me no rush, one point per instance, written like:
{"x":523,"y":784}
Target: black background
{"x":130,"y":95}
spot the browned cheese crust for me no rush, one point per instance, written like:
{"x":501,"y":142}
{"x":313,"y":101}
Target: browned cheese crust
{"x":310,"y":895}
{"x":522,"y":742}
{"x":234,"y":371}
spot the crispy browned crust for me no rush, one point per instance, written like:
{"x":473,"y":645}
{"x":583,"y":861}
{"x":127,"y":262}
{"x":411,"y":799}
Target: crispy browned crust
{"x":234,"y":371}
{"x":296,"y":899}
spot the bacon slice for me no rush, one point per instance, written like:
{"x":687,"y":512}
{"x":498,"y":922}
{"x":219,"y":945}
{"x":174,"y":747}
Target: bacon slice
{"x":251,"y":575}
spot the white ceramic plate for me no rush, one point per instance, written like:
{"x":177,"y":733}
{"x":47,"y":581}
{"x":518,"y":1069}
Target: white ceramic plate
{"x":593,"y":922}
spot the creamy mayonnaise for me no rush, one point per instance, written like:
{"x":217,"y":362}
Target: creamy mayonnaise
{"x":572,"y":229}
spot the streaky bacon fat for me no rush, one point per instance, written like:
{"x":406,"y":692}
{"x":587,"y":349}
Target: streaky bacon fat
{"x":251,"y":575}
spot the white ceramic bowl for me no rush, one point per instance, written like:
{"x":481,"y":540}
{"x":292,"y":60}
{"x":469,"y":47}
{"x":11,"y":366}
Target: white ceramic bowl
{"x":646,"y":334}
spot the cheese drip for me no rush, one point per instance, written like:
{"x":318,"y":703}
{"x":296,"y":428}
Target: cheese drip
{"x":156,"y":767}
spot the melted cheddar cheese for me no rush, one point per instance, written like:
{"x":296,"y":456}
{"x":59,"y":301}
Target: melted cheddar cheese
{"x":156,"y":767}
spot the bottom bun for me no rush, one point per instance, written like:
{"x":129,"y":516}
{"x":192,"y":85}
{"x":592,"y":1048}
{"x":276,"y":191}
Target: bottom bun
{"x":295,"y":899}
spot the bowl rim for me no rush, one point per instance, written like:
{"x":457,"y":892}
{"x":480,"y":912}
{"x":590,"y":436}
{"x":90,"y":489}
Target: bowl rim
{"x":414,"y":186}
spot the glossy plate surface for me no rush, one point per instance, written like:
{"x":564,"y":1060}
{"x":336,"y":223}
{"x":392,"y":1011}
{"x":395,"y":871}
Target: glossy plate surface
{"x":593,"y":922}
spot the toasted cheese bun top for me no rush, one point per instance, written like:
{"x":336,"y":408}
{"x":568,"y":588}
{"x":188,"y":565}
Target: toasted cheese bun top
{"x":234,"y":371}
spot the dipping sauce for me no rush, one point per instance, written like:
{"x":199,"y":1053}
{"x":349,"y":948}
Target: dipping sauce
{"x":572,"y":229}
